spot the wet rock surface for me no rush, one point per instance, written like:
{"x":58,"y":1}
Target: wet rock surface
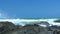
{"x":10,"y":28}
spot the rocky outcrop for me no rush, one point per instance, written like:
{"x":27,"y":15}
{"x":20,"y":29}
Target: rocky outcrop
{"x":33,"y":29}
{"x":30,"y":29}
{"x":57,"y":20}
{"x":6,"y":26}
{"x":10,"y":28}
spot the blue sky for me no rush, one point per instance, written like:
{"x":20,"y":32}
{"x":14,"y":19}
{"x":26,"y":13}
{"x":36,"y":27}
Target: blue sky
{"x":30,"y":8}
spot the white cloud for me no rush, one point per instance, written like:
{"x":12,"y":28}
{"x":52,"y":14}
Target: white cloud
{"x":2,"y":15}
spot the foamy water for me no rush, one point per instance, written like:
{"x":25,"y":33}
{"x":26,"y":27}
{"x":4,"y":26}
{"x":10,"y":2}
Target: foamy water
{"x":30,"y":21}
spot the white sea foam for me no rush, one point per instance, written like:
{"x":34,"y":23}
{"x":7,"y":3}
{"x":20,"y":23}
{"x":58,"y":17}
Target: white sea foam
{"x":30,"y":21}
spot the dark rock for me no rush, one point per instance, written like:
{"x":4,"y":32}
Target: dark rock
{"x":6,"y":26}
{"x":57,"y":21}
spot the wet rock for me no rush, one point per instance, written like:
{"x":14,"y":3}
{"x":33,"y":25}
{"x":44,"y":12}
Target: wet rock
{"x":6,"y":26}
{"x":57,"y":21}
{"x":27,"y":29}
{"x":32,"y":29}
